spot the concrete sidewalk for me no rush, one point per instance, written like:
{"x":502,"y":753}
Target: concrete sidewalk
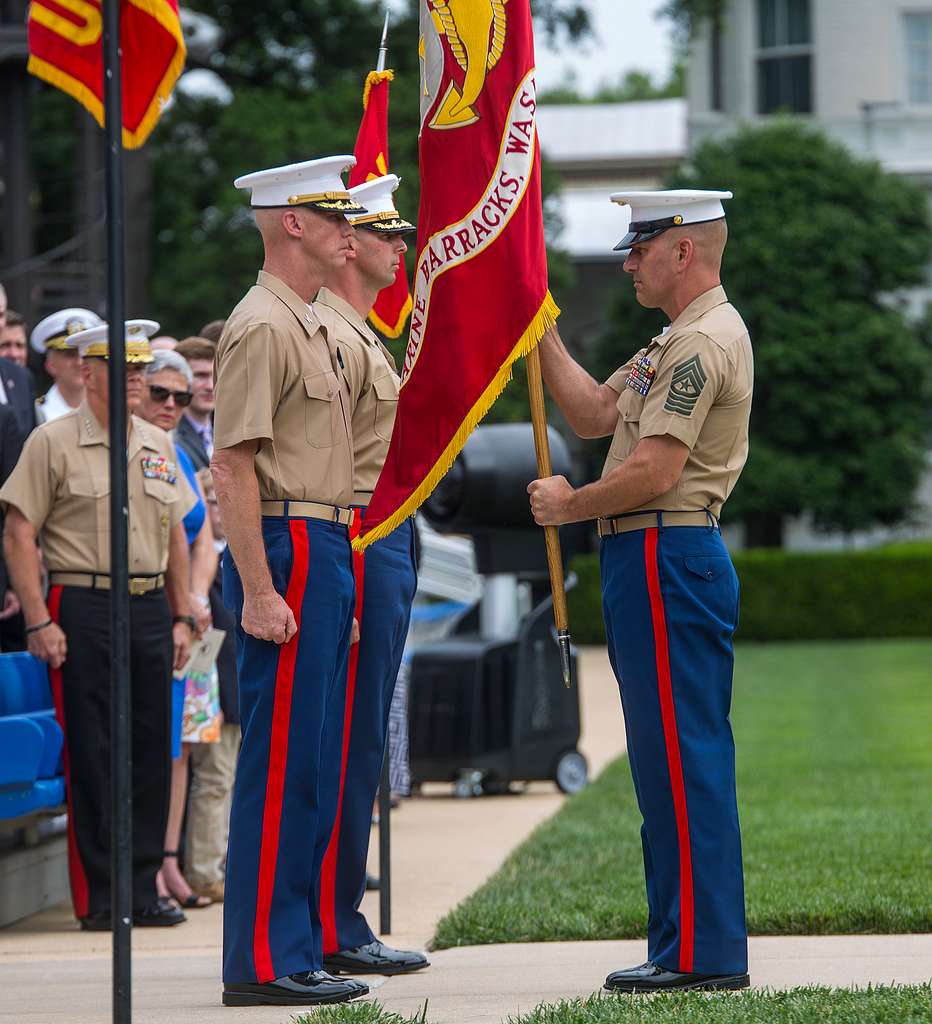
{"x":474,"y":985}
{"x":443,"y":849}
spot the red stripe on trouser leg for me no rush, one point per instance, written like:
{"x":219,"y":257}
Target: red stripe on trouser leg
{"x":76,"y":873}
{"x":672,"y":743}
{"x":328,"y":875}
{"x":278,"y":755}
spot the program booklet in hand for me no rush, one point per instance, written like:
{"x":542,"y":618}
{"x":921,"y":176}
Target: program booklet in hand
{"x":201,"y":723}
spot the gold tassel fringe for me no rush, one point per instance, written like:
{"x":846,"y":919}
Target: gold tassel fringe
{"x":373,"y":79}
{"x":392,"y":332}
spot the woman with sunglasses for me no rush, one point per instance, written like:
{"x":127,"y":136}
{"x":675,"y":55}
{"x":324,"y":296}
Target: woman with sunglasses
{"x":167,"y":394}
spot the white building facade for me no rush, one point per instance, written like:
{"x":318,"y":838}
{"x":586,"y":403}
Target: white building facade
{"x":861,"y":69}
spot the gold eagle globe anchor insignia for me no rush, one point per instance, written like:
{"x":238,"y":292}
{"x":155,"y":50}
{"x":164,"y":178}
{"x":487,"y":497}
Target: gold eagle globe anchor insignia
{"x":475,"y":32}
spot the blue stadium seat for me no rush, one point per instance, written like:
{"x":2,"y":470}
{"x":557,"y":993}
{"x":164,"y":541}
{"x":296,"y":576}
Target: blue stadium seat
{"x":24,"y":684}
{"x":30,"y":739}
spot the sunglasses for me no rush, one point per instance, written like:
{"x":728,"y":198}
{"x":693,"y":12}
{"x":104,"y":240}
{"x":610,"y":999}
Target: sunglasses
{"x":160,"y":395}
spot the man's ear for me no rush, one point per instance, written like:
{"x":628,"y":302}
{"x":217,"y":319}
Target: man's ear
{"x":292,"y":223}
{"x":685,"y":251}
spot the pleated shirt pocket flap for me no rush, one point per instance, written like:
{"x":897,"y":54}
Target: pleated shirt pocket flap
{"x":708,"y":567}
{"x":321,"y":409}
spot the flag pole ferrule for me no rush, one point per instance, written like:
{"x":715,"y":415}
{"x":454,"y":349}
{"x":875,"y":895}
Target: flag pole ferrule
{"x":383,"y":45}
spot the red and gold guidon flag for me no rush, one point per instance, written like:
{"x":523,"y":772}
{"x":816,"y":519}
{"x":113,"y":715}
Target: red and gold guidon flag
{"x":391,"y":309}
{"x":66,"y":50}
{"x":481,"y":299}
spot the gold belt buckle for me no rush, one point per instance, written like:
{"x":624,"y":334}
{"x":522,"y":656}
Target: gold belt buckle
{"x":138,"y":587}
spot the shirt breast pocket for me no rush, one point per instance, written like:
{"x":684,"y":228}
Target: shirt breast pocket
{"x":386,"y":405}
{"x":91,"y":498}
{"x":627,"y":433}
{"x":322,"y":409}
{"x":160,"y":497}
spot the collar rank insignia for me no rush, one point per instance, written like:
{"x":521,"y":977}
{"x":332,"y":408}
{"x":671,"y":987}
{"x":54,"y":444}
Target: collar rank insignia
{"x":157,"y":467}
{"x":641,"y":376}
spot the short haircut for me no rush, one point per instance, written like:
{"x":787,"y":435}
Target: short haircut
{"x":196,"y":348}
{"x":166,"y":359}
{"x":212,"y":331}
{"x":14,"y":319}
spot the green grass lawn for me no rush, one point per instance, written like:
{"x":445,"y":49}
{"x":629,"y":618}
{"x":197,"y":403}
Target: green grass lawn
{"x":834,"y":780}
{"x":906,"y":1005}
{"x":363,"y":1012}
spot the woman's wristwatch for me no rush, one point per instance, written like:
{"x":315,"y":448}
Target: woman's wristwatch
{"x":188,"y":620}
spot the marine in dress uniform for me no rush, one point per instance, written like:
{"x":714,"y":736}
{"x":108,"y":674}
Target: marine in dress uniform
{"x":283,"y":474}
{"x":679,"y":410}
{"x":62,"y":361}
{"x":386,"y":578}
{"x":59,"y":493}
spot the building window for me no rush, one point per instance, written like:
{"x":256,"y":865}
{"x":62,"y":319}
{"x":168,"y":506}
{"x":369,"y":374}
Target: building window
{"x":918,"y":57}
{"x":784,"y":56}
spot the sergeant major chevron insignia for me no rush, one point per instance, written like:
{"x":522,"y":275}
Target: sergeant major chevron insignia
{"x":686,"y":386}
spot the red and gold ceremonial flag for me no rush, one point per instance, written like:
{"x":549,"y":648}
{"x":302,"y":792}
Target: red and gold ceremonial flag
{"x":480,"y":287}
{"x":66,"y":50}
{"x":393,"y":304}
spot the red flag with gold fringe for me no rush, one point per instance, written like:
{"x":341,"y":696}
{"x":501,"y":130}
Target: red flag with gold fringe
{"x":393,"y":305}
{"x":66,"y":50}
{"x":481,"y":299}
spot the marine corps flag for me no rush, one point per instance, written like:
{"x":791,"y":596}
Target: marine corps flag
{"x":480,"y":288}
{"x":66,"y":50}
{"x":393,"y":304}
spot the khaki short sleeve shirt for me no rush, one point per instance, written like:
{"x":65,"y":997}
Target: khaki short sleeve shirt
{"x":700,"y":394}
{"x":373,"y":384}
{"x":277,"y":382}
{"x":61,"y":484}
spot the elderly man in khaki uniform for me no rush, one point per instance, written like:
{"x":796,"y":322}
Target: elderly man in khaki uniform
{"x":59,"y":493}
{"x":283,"y":473}
{"x":386,"y":578}
{"x":679,"y":410}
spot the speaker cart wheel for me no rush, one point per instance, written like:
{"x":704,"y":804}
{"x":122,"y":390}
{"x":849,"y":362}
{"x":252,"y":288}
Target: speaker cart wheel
{"x":572,"y":772}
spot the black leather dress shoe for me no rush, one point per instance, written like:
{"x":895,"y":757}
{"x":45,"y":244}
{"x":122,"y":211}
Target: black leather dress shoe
{"x":99,"y":922}
{"x":160,"y":914}
{"x":375,"y":958}
{"x":650,"y":977}
{"x":309,"y":988}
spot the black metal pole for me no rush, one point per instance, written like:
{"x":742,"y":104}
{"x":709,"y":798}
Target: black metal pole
{"x":121,"y":796}
{"x":385,"y":849}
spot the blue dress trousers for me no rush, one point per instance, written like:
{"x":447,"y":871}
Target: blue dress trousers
{"x":386,"y":578}
{"x":670,"y":600}
{"x":285,"y":797}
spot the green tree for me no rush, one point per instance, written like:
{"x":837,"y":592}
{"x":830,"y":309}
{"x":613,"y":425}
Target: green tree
{"x":632,"y":86}
{"x":686,"y":15}
{"x":821,"y":243}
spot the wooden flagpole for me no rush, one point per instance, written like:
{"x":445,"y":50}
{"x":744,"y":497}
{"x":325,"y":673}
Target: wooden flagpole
{"x":551,"y":533}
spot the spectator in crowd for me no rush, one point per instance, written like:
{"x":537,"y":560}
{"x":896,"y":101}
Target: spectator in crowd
{"x":13,"y":338}
{"x":196,"y":429}
{"x":62,"y":361}
{"x":214,"y":764}
{"x":167,"y":393}
{"x":16,"y":385}
{"x":164,"y":343}
{"x":58,"y":494}
{"x":11,"y":639}
{"x":211,"y":331}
